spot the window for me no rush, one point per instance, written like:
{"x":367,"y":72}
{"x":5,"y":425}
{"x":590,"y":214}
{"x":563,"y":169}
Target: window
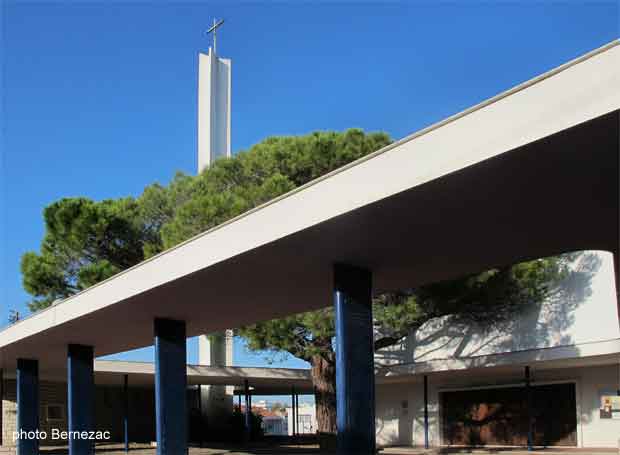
{"x":55,"y":412}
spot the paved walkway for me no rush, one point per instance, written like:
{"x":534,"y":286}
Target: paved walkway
{"x":292,"y":449}
{"x":496,"y":451}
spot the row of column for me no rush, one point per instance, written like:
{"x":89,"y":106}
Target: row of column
{"x":80,"y":397}
{"x":248,"y":408}
{"x":354,"y":378}
{"x":294,"y":412}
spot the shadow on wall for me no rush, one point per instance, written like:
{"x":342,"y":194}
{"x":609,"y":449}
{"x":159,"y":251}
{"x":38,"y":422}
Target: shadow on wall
{"x":395,"y":426}
{"x":542,"y":324}
{"x":550,"y":323}
{"x":402,"y":422}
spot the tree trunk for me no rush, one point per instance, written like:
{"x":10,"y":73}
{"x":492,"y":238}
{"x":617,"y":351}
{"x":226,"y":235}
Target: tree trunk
{"x":323,"y":373}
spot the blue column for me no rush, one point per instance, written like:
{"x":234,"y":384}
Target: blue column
{"x":293,"y":417}
{"x":80,"y":397}
{"x":1,"y":401}
{"x":297,"y":413}
{"x":355,"y":376}
{"x":528,"y":393}
{"x":27,"y":405}
{"x":248,"y":411}
{"x":126,"y":411}
{"x":170,"y":387}
{"x":201,"y":418}
{"x":426,"y":444}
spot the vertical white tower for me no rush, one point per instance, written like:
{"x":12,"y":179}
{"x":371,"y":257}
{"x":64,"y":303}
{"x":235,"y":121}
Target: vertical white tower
{"x":214,"y":89}
{"x":216,"y":400}
{"x":213,"y":108}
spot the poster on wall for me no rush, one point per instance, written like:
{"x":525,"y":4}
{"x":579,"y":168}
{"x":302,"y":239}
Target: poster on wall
{"x":610,"y":407}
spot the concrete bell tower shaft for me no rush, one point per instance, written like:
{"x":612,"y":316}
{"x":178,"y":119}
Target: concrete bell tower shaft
{"x":214,"y":93}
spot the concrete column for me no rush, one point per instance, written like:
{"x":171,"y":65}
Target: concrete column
{"x":248,"y":410}
{"x":170,"y":387}
{"x":293,"y":412}
{"x":216,"y":400}
{"x":355,"y":379}
{"x":297,"y":413}
{"x":1,"y":404}
{"x":617,"y":274}
{"x":27,"y":406}
{"x":426,"y":442}
{"x":80,"y":397}
{"x":528,"y":393}
{"x":126,"y":411}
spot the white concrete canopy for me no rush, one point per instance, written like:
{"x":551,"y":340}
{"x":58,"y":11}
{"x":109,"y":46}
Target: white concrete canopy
{"x":264,"y":380}
{"x":142,"y":374}
{"x":529,"y":173}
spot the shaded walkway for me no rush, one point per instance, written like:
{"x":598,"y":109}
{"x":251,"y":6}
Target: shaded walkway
{"x":294,"y":449}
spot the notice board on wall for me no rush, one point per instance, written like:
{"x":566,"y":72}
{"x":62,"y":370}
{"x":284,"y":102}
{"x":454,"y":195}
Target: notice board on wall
{"x":610,"y":407}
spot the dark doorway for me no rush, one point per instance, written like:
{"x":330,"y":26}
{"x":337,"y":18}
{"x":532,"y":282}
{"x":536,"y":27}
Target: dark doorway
{"x":498,"y":416}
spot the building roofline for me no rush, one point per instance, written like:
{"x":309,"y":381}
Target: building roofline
{"x":355,"y":163}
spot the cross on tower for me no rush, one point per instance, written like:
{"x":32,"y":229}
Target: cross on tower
{"x":213,"y":29}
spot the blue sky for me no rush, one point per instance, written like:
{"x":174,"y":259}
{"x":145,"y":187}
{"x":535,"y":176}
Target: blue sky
{"x":99,"y":98}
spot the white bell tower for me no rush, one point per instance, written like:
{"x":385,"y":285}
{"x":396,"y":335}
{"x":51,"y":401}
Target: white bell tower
{"x":214,"y":88}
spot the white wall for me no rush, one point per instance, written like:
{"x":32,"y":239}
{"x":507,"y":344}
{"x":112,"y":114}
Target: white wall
{"x":400,"y":414}
{"x":582,"y":309}
{"x":598,"y":432}
{"x":304,"y":409}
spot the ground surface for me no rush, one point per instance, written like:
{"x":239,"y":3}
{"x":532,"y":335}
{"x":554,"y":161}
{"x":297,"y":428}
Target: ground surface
{"x":293,"y":449}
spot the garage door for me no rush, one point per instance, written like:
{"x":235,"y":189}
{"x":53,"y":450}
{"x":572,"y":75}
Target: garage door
{"x":499,"y":416}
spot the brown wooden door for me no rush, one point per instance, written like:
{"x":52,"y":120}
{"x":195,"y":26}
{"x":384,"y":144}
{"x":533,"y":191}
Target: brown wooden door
{"x":555,"y":415}
{"x":499,"y":416}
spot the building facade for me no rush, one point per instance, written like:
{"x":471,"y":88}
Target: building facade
{"x":476,"y":384}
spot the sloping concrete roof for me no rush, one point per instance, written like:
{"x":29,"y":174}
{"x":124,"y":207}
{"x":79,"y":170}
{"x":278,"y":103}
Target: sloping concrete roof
{"x":529,"y":173}
{"x":268,"y":381}
{"x":263,"y":380}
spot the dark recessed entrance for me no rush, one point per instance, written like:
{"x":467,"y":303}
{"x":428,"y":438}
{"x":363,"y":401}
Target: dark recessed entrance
{"x":498,"y":416}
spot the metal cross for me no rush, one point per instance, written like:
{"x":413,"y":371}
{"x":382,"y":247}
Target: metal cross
{"x":213,"y":29}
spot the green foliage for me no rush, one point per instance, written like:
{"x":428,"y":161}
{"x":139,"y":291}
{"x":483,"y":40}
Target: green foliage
{"x":265,"y":171}
{"x":158,"y":206}
{"x":303,"y":335}
{"x":87,"y":241}
{"x":486,"y":299}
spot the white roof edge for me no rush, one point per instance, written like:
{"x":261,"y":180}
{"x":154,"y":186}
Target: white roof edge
{"x":547,"y":354}
{"x":385,"y":149}
{"x":128,"y":367}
